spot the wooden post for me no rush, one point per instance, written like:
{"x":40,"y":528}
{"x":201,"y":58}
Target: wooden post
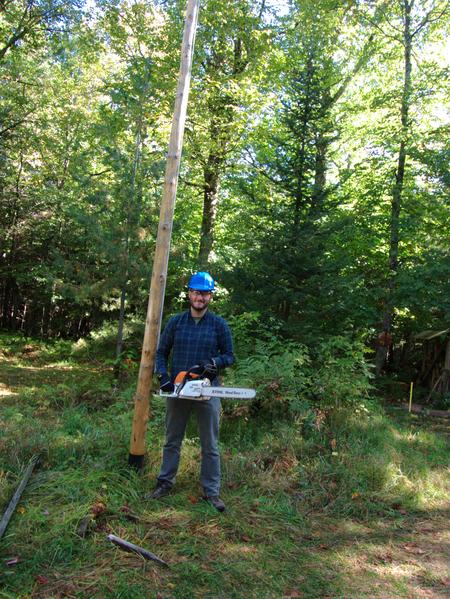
{"x":446,"y":371}
{"x":161,"y":259}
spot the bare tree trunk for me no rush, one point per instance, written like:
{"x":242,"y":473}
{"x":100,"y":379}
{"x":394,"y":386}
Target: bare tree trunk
{"x":299,"y":195}
{"x":119,"y":340}
{"x":133,"y":214}
{"x":211,"y":176}
{"x":446,"y":371}
{"x":123,"y":297}
{"x":24,"y":317}
{"x":396,"y":202}
{"x":320,"y":169}
{"x":221,"y":120}
{"x":12,"y":291}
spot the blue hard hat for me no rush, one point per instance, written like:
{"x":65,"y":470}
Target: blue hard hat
{"x":201,"y":281}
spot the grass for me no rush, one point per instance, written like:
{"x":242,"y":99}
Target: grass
{"x":356,"y":506}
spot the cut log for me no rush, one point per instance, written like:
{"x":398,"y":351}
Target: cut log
{"x":418,"y":409}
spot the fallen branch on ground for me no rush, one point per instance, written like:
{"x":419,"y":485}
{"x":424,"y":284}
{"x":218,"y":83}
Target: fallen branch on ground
{"x":16,"y":497}
{"x":132,"y":548}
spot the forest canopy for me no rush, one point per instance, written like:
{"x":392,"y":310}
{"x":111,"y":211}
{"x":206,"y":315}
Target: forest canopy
{"x":314,"y":179}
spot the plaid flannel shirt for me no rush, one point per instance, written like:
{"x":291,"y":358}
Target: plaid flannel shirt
{"x":191,"y":342}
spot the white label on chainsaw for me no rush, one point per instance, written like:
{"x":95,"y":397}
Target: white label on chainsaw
{"x":229,"y":392}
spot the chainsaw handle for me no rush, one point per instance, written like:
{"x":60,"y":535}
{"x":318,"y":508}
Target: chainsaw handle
{"x":184,"y":376}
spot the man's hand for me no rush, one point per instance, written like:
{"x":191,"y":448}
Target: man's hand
{"x":208,"y":369}
{"x":165,"y":384}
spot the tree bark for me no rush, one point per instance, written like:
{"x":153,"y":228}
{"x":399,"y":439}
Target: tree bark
{"x":301,"y":156}
{"x":320,"y":174}
{"x":130,"y":225}
{"x":445,"y":387}
{"x":221,"y":119}
{"x":396,"y":202}
{"x":211,"y":177}
{"x":132,"y":221}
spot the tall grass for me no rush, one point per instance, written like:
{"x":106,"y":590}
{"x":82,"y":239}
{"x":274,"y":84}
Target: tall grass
{"x":284,"y":470}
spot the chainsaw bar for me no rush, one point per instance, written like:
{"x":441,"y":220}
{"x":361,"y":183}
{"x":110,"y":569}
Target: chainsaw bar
{"x":201,"y":390}
{"x":229,"y":392}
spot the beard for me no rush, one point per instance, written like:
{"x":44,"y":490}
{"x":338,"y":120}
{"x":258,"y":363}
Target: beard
{"x":199,"y":304}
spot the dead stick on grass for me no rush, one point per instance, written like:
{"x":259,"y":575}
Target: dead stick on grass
{"x":132,"y":548}
{"x":16,"y":497}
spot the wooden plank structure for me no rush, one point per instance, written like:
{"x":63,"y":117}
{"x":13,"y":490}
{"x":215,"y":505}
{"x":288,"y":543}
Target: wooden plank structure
{"x":161,"y":258}
{"x":435,"y":367}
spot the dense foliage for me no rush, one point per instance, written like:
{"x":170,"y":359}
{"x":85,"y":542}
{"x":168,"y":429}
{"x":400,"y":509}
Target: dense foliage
{"x":314,"y":182}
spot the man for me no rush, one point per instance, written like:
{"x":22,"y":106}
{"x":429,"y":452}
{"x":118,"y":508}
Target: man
{"x":195,"y":337}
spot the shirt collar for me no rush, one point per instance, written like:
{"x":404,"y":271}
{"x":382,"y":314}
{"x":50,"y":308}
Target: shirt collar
{"x":204,"y":317}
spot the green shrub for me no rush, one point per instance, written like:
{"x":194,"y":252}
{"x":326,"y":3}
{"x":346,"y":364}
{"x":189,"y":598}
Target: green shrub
{"x":280,"y":372}
{"x":340,"y":374}
{"x":292,"y":379}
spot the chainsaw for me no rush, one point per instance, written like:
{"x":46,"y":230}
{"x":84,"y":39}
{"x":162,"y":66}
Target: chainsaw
{"x":190,"y":385}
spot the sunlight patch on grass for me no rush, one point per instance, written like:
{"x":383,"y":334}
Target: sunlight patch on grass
{"x":236,"y":550}
{"x":433,"y":491}
{"x":167,"y":518}
{"x":395,"y":478}
{"x":398,"y":558}
{"x":57,"y":366}
{"x":6,"y":391}
{"x":68,"y":439}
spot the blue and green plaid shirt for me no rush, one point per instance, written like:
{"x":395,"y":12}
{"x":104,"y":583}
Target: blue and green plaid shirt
{"x":191,"y":342}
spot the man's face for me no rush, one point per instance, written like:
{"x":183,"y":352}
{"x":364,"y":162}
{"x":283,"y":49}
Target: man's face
{"x":199,"y":300}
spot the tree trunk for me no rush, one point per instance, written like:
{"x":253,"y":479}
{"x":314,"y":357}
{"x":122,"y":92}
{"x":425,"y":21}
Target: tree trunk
{"x":396,"y":202}
{"x":211,"y":175}
{"x":221,"y":119}
{"x":320,"y":169}
{"x":161,"y":258}
{"x":445,"y":388}
{"x":133,"y":213}
{"x":299,"y":195}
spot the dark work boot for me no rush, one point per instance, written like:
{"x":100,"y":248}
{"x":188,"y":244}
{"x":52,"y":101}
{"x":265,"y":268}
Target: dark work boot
{"x":161,"y":490}
{"x":215,"y":501}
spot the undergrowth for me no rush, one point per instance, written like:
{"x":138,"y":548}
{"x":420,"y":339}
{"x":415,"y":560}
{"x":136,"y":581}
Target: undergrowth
{"x":286,"y":466}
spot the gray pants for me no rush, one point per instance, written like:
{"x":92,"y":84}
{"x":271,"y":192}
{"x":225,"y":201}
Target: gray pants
{"x":177,"y":416}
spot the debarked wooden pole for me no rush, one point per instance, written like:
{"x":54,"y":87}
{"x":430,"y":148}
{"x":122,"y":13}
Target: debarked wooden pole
{"x":161,"y":258}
